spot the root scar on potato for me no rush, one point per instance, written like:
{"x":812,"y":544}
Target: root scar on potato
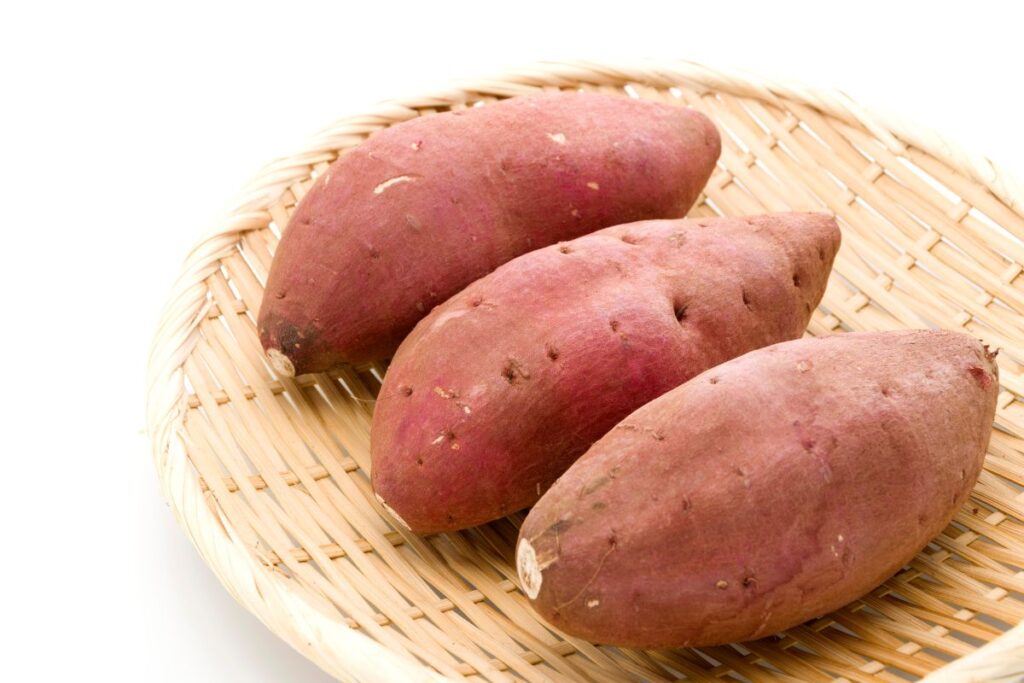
{"x":529,"y":571}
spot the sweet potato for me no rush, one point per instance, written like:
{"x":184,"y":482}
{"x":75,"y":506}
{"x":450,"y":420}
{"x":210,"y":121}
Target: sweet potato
{"x":411,"y":216}
{"x":499,"y":389}
{"x":764,"y":492}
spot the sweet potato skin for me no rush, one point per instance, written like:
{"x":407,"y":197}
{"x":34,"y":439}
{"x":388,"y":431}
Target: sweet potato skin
{"x":785,"y":484}
{"x":419,"y":210}
{"x":498,"y":390}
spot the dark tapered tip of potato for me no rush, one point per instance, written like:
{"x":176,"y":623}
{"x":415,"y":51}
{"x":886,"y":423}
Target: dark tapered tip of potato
{"x":292,"y":349}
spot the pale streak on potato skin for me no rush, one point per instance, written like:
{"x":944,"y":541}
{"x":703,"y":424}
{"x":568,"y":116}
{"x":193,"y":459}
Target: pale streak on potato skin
{"x":379,"y":189}
{"x":903,"y":420}
{"x":552,"y":349}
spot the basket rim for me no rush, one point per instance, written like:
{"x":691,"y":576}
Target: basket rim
{"x":291,"y":611}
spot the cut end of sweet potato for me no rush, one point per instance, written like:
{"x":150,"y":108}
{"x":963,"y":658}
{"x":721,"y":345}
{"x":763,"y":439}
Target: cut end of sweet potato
{"x":394,"y":515}
{"x":529,"y":570}
{"x":281,"y":363}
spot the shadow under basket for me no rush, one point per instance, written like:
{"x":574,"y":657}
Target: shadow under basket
{"x":269,"y":475}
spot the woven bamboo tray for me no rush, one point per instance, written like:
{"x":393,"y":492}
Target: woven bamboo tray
{"x":269,"y":475}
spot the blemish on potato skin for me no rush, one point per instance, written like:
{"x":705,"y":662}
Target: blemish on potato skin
{"x":552,"y":352}
{"x":405,"y":390}
{"x":565,"y":249}
{"x":655,"y":434}
{"x":558,"y":138}
{"x":804,"y":365}
{"x":983,"y":378}
{"x":593,"y":603}
{"x":712,"y":380}
{"x":559,"y":526}
{"x":593,"y":185}
{"x":596,"y":484}
{"x":446,"y":393}
{"x":446,"y":435}
{"x":413,"y":223}
{"x":680,"y":311}
{"x":513,"y":371}
{"x":796,"y":280}
{"x":746,"y":298}
{"x":721,"y":584}
{"x":744,"y":476}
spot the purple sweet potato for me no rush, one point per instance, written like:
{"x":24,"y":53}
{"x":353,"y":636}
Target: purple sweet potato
{"x":502,"y":387}
{"x":764,"y":492}
{"x":423,"y":208}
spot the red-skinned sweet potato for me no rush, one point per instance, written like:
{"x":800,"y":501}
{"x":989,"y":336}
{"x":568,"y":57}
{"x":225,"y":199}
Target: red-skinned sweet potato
{"x":411,"y":216}
{"x":766,"y":491}
{"x":499,"y":389}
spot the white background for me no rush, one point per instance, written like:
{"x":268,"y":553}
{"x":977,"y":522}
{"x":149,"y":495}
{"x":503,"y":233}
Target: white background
{"x":126,"y":129}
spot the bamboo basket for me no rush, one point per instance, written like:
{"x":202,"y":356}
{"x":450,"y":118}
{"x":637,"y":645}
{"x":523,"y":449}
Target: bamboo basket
{"x":269,"y":475}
